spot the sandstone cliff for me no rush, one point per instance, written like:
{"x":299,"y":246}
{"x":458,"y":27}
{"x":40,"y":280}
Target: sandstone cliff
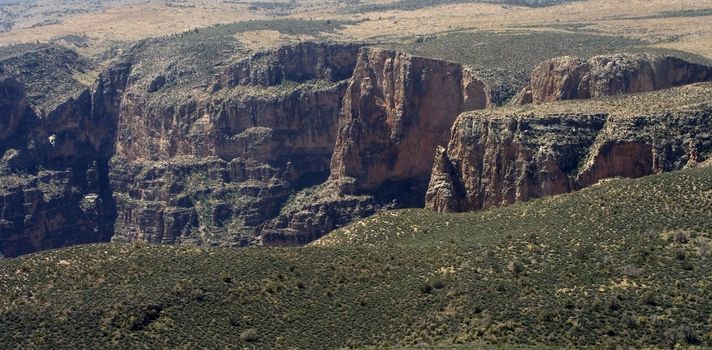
{"x":396,"y":110}
{"x":506,"y":156}
{"x":212,"y":165}
{"x":298,"y":63}
{"x":53,"y":175}
{"x":566,"y":78}
{"x":281,"y":147}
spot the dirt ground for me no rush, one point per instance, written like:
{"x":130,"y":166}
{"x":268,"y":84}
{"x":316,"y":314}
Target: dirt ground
{"x":677,"y":24}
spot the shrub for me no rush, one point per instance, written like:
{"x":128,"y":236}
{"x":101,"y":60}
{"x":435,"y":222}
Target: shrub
{"x":649,"y":299}
{"x":516,"y":267}
{"x":613,"y":303}
{"x":433,"y":282}
{"x":631,"y":271}
{"x":681,"y":237}
{"x":249,"y":335}
{"x":679,"y":253}
{"x":704,"y":248}
{"x":681,"y":335}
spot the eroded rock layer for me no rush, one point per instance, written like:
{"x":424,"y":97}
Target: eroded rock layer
{"x":396,"y":110}
{"x":506,"y":156}
{"x":53,"y":173}
{"x":281,"y":147}
{"x":567,"y":78}
{"x":216,"y":165}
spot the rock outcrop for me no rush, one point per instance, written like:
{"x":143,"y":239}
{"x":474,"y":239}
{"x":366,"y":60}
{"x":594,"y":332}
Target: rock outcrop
{"x":567,"y":78}
{"x":396,"y":110}
{"x":281,"y":147}
{"x":297,"y":63}
{"x":155,"y":153}
{"x":506,"y":156}
{"x":218,"y":163}
{"x":53,"y":174}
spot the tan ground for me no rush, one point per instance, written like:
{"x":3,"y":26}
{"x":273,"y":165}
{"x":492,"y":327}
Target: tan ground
{"x":129,"y":22}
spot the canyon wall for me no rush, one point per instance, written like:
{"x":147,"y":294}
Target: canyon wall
{"x":53,"y":173}
{"x":506,"y":156}
{"x":567,"y":78}
{"x":212,"y":166}
{"x":396,"y":110}
{"x":281,"y":147}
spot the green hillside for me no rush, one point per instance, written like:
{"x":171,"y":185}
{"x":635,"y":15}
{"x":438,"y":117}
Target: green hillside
{"x":623,"y":263}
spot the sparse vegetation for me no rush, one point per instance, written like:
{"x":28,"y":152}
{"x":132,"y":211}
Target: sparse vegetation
{"x":50,"y":73}
{"x":401,"y":278}
{"x":507,"y":59}
{"x":410,"y":5}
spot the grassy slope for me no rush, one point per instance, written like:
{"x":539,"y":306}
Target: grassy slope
{"x":623,"y":262}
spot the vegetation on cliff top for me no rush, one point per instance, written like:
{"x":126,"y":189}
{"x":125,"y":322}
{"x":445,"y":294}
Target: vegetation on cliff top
{"x":625,"y":262}
{"x":50,"y":73}
{"x":506,"y":59}
{"x":684,"y":98}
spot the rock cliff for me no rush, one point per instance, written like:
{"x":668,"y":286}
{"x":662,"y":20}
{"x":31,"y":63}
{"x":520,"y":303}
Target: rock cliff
{"x":281,"y":147}
{"x":397,"y":108}
{"x":53,"y":172}
{"x":515,"y":154}
{"x":567,"y":78}
{"x":214,"y":164}
{"x":297,"y":63}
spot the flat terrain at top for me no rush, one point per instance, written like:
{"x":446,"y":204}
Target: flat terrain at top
{"x":94,"y":27}
{"x":688,"y":97}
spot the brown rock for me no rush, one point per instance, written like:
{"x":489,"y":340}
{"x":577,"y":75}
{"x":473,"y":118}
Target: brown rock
{"x":566,"y":78}
{"x":299,"y":63}
{"x":397,"y":109}
{"x":503,"y":157}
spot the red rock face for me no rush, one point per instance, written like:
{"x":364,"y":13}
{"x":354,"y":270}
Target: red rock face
{"x":217,"y":164}
{"x":566,"y":78}
{"x":500,"y":159}
{"x":397,"y":109}
{"x":612,"y":159}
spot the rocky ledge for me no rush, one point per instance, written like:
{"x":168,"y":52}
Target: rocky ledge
{"x":397,"y":108}
{"x":500,"y":157}
{"x":567,"y":78}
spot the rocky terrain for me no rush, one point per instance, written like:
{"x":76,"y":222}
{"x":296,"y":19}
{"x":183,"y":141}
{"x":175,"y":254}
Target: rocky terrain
{"x":164,"y":157}
{"x":513,"y":154}
{"x":54,"y":168}
{"x":215,"y":167}
{"x":280,"y":147}
{"x":396,"y":110}
{"x":566,"y":78}
{"x":193,"y":139}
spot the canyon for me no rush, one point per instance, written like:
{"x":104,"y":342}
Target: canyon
{"x":515,"y":154}
{"x":283,"y":146}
